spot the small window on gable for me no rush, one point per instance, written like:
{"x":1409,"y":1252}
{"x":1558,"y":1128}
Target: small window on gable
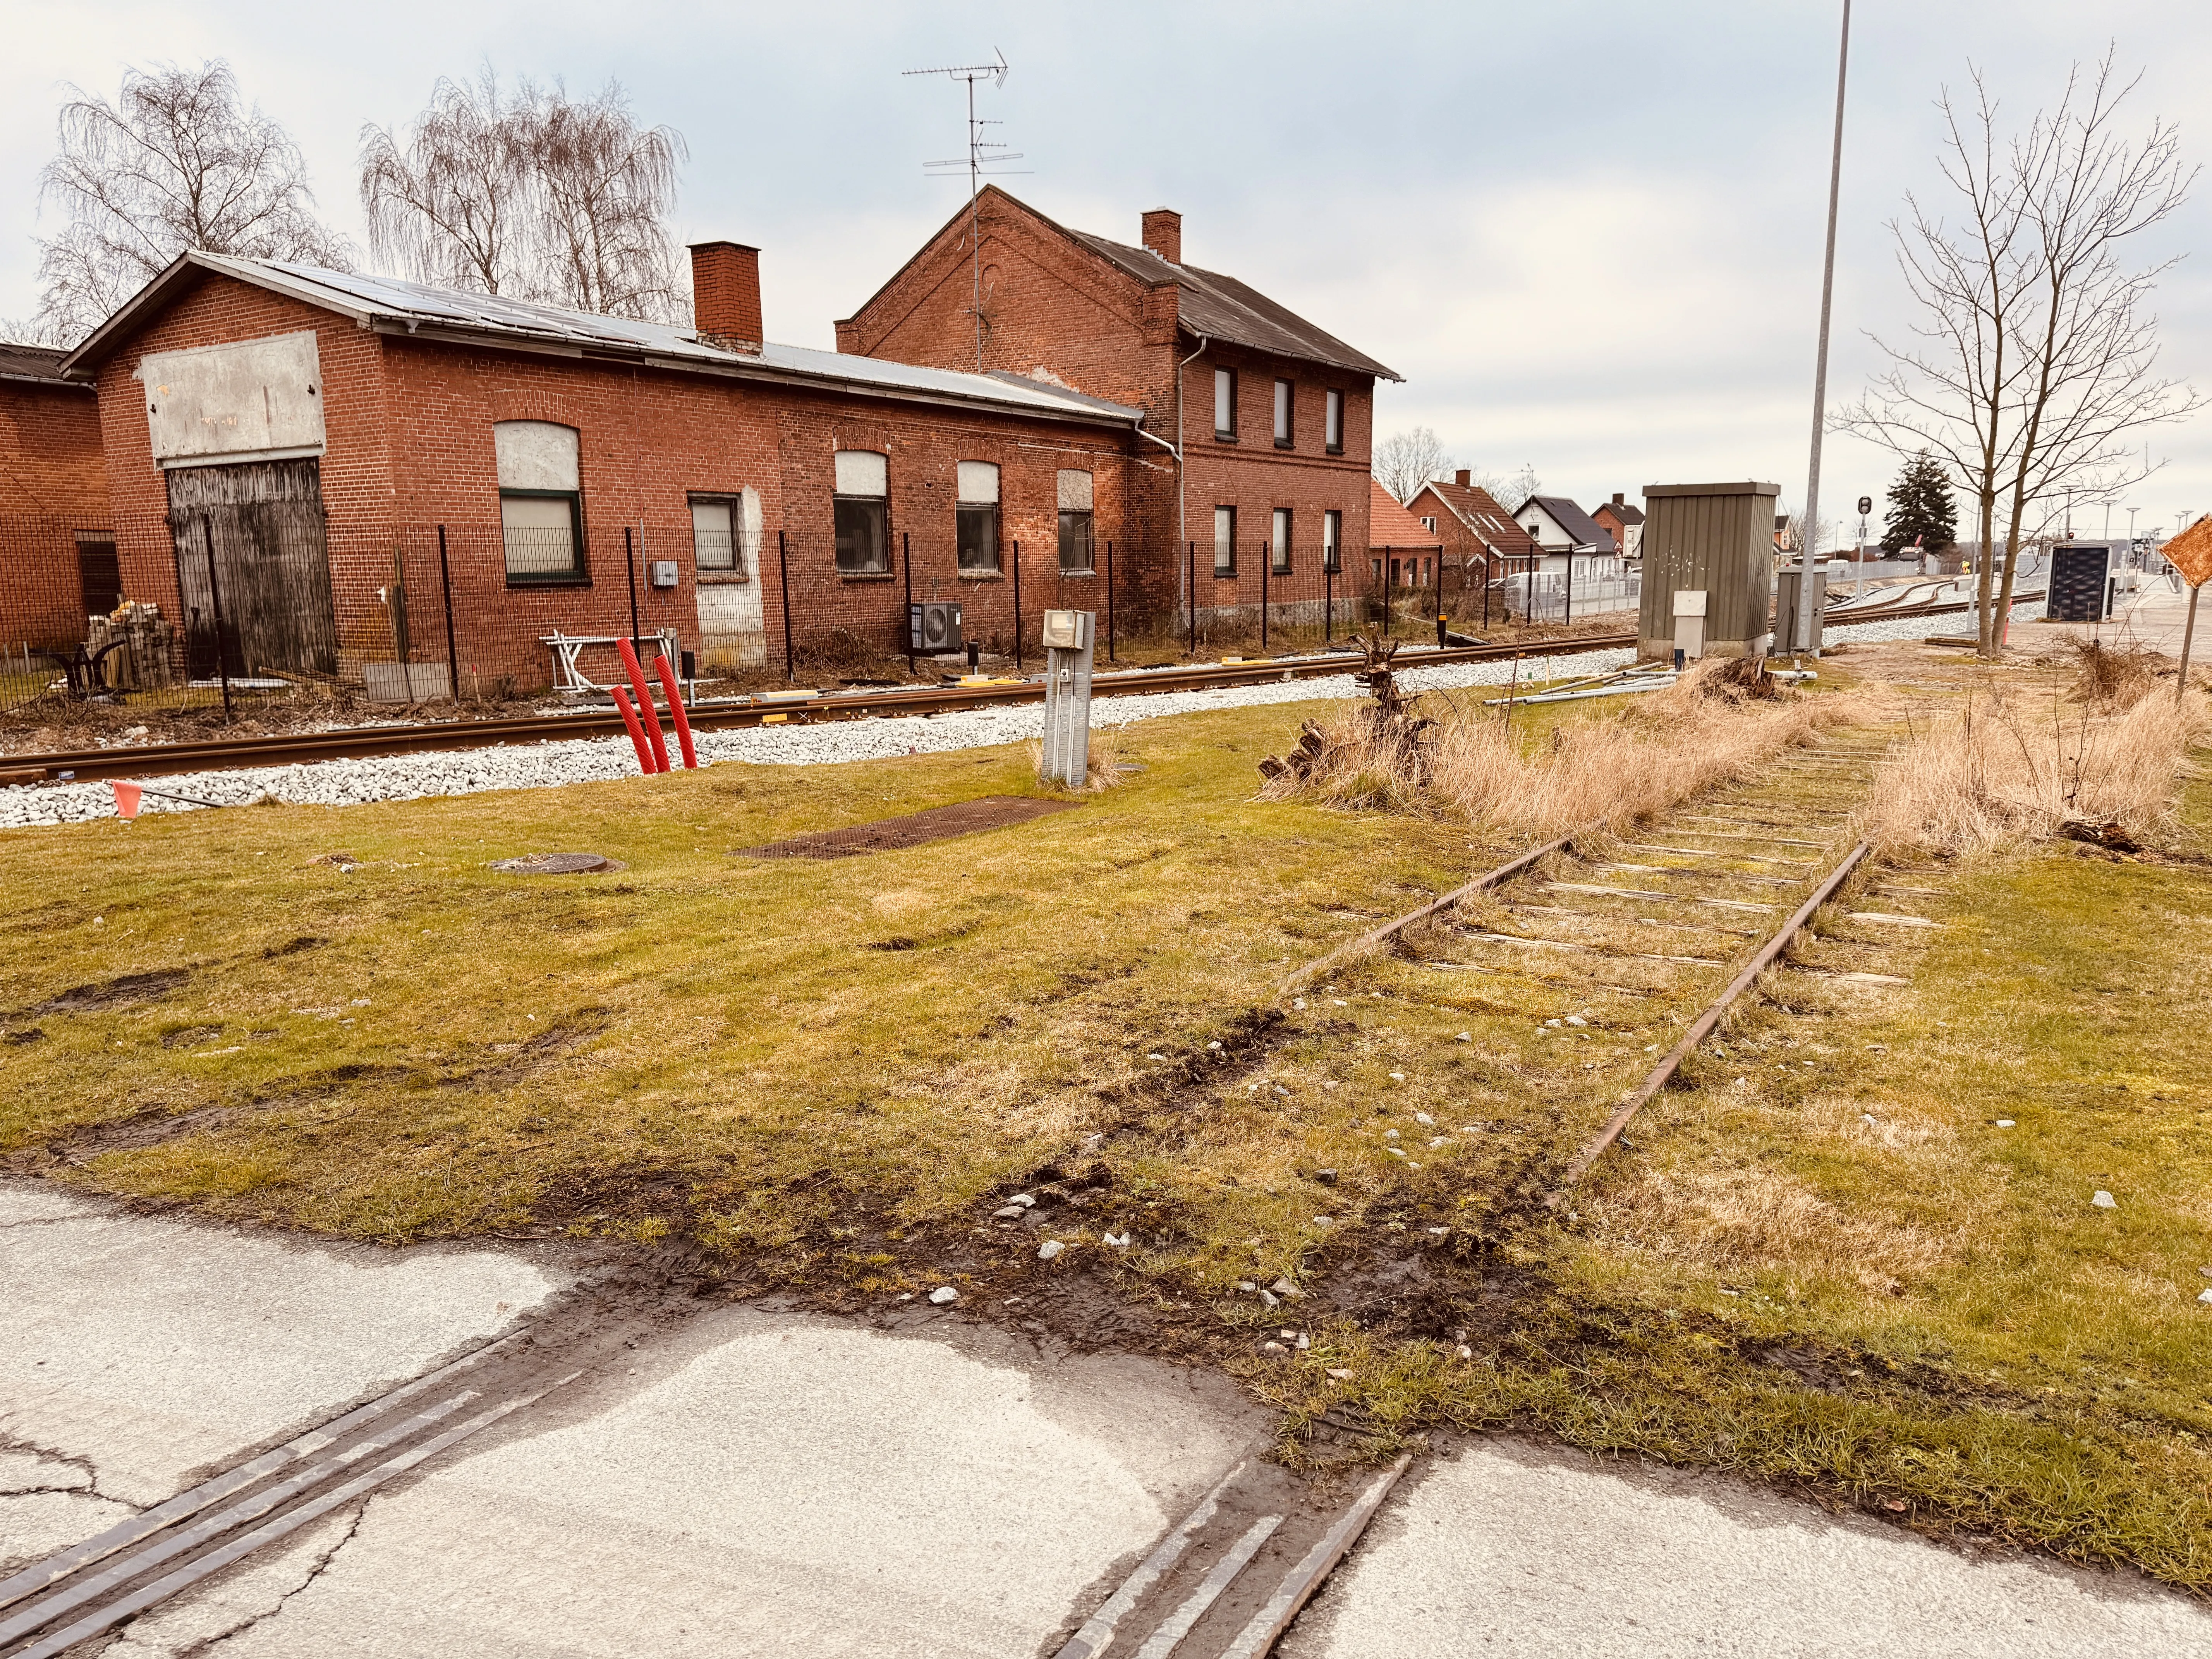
{"x":1428,"y":524}
{"x":862,"y":510}
{"x":1287,"y":403}
{"x":540,"y":500}
{"x":976,"y":514}
{"x":1076,"y":545}
{"x":1225,"y":402}
{"x":1332,"y":434}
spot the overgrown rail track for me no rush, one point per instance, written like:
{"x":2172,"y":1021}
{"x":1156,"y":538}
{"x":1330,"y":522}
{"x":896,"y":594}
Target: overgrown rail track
{"x":356,"y":742}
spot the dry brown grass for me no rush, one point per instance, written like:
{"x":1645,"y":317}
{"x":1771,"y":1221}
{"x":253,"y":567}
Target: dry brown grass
{"x":2114,"y":679}
{"x":2015,"y":768}
{"x":1611,"y":766}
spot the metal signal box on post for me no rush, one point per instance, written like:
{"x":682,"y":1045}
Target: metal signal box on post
{"x":1067,"y":654}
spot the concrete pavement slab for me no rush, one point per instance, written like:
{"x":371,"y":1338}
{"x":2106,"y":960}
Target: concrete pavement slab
{"x":1507,"y":1548}
{"x":139,"y":1349}
{"x":774,"y":1484}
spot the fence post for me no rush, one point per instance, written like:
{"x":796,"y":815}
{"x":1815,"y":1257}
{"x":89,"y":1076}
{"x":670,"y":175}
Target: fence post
{"x":629,"y":563}
{"x":906,"y":568}
{"x":215,"y":604}
{"x":1267,"y":562}
{"x":1327,"y":601}
{"x":783,"y":593}
{"x":1570,"y":585}
{"x":452,"y":651}
{"x":1190,"y":591}
{"x":1109,"y":601}
{"x":1018,"y":605}
{"x":1389,"y":591}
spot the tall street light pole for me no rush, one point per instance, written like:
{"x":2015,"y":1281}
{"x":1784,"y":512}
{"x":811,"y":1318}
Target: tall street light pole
{"x":1812,"y":530}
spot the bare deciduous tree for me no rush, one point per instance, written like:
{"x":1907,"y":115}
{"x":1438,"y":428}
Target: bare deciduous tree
{"x":174,"y":164}
{"x":1511,"y":491}
{"x":531,"y":194}
{"x":2036,"y":355}
{"x":1404,"y":461}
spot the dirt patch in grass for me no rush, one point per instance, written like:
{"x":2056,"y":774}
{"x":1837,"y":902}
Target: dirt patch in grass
{"x":965,"y":817}
{"x":123,"y":991}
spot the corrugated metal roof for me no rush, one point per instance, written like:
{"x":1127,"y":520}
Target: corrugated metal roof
{"x":416,"y":308}
{"x":30,"y":362}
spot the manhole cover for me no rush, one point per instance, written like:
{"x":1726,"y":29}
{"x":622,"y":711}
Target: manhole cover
{"x":554,"y":863}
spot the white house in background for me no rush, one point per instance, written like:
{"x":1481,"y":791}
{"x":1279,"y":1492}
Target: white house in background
{"x":1582,"y":564}
{"x":1558,"y":525}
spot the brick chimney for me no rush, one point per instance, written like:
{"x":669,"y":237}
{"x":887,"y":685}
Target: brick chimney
{"x":726,"y":302}
{"x":1464,"y":476}
{"x":1164,"y":234}
{"x":1617,"y":498}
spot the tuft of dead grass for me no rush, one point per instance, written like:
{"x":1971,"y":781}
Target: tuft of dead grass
{"x":2012,"y":769}
{"x":1714,"y":725}
{"x":1101,"y":769}
{"x":2114,"y":679}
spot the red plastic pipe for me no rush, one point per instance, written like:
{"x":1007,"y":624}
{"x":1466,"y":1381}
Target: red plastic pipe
{"x":647,"y":713}
{"x":637,"y":732}
{"x":675,"y":714}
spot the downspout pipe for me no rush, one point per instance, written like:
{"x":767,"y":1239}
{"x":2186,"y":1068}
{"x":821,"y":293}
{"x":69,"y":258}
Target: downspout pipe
{"x":1182,"y":528}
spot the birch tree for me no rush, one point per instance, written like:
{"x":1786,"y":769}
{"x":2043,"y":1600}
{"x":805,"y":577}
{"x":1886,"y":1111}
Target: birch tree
{"x":174,"y":164}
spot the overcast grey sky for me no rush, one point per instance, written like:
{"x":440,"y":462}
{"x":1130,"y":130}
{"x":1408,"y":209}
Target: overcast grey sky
{"x":1588,"y":235}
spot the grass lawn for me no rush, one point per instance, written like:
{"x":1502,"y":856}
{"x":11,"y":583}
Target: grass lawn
{"x":827,"y":1077}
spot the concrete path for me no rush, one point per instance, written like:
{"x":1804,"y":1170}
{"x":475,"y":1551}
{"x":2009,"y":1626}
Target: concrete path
{"x":1509,"y":1549}
{"x":742,"y":1481}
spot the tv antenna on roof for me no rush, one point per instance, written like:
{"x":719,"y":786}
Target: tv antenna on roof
{"x":983,"y":160}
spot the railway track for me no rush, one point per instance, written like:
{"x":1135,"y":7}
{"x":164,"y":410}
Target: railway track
{"x":356,"y":743}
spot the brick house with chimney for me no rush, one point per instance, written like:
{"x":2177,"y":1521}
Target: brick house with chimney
{"x":1257,"y":423}
{"x":56,"y":553}
{"x":344,"y":462}
{"x":1624,"y":523}
{"x":1482,"y":543}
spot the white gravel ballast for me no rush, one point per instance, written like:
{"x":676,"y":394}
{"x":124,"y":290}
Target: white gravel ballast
{"x":547,"y":765}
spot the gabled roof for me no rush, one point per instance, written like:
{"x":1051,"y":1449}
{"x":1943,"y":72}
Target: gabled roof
{"x":1581,"y":528}
{"x":1217,"y":307}
{"x":389,"y":306}
{"x":42,"y":365}
{"x":1389,"y":525}
{"x":1478,"y":509}
{"x":1620,"y":510}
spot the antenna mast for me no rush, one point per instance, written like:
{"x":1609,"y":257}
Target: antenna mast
{"x":983,"y":153}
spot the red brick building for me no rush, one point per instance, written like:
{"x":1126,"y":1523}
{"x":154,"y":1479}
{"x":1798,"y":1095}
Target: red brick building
{"x":1257,"y":423}
{"x":1624,"y":523}
{"x":1402,"y":550}
{"x":1481,"y":541}
{"x":57,"y":555}
{"x":339,"y":462}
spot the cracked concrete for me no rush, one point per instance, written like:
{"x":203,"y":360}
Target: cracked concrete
{"x":208,"y":1618}
{"x":152,"y":1349}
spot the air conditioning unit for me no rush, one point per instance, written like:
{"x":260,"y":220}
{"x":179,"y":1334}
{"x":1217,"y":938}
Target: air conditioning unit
{"x":934,"y":627}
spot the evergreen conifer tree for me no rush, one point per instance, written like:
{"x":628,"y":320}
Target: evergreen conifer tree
{"x":1920,"y":506}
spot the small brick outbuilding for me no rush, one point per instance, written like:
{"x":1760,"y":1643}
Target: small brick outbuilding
{"x":57,"y":554}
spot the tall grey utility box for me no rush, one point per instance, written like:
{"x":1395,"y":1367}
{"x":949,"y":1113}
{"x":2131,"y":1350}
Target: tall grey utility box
{"x":1718,"y":539}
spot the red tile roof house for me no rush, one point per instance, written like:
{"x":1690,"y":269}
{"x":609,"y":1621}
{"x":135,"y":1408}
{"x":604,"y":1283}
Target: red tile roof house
{"x":331,"y":444}
{"x":56,"y":553}
{"x":1257,"y":423}
{"x":1403,"y":551}
{"x":1482,"y":542}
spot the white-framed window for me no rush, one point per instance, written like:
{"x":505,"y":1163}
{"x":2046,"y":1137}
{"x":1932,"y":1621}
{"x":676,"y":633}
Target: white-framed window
{"x":1332,"y":434}
{"x":541,"y":500}
{"x":1279,"y":542}
{"x":1225,"y":402}
{"x":1332,"y":540}
{"x":719,"y":546}
{"x":1077,"y":556}
{"x":1224,"y":541}
{"x":1287,"y":411}
{"x":976,"y":517}
{"x":862,"y":512}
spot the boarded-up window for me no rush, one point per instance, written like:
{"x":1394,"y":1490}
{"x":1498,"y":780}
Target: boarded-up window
{"x":862,"y":510}
{"x":977,"y":515}
{"x":541,"y":507}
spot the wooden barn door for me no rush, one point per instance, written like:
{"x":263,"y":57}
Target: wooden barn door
{"x":264,"y":521}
